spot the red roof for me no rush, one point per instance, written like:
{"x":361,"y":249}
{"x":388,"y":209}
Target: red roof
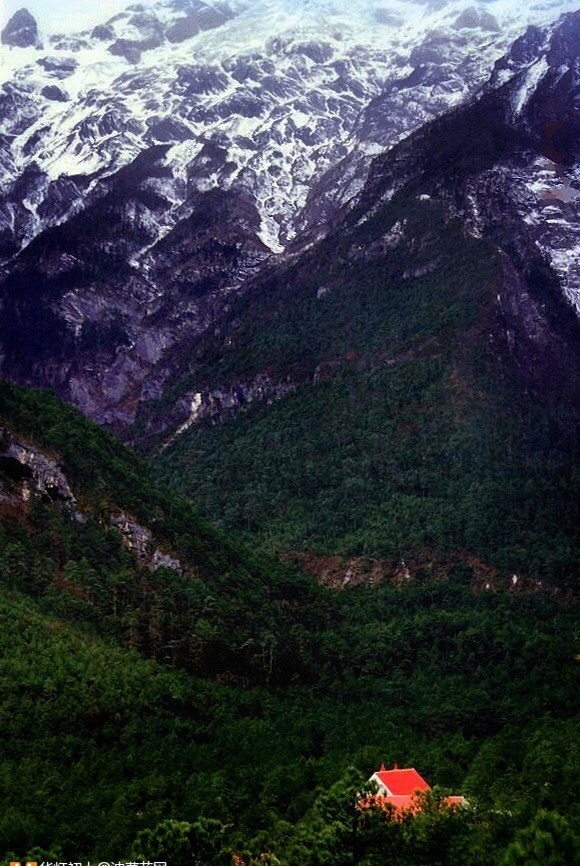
{"x":402,"y":804}
{"x":402,"y":783}
{"x":402,"y":786}
{"x":399,"y":801}
{"x":454,"y":801}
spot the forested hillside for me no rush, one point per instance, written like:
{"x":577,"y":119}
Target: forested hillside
{"x":234,"y":707}
{"x":349,"y":533}
{"x":414,"y":425}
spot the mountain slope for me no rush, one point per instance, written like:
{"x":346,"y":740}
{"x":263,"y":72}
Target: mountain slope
{"x":88,"y":533}
{"x":507,"y":164}
{"x":277,"y":86}
{"x":397,"y":302}
{"x":435,"y":376}
{"x":248,"y":752}
{"x":118,"y":147}
{"x":406,"y":388}
{"x":410,"y":424}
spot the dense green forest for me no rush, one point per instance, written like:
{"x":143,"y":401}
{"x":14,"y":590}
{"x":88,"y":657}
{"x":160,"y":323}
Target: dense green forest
{"x":236,"y":709}
{"x":412,"y":425}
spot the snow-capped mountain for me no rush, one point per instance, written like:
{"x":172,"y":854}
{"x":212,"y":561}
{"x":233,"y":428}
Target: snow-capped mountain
{"x":283,"y":89}
{"x":525,"y":192}
{"x":151,"y":166}
{"x":505,"y":168}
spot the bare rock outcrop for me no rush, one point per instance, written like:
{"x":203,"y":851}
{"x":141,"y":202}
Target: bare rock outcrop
{"x":28,"y":472}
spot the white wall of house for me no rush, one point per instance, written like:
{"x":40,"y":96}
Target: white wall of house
{"x":381,"y":785}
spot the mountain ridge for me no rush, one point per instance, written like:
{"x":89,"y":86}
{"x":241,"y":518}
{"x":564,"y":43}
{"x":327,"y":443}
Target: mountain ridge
{"x":290,"y":93}
{"x":217,"y":332}
{"x":391,"y":406}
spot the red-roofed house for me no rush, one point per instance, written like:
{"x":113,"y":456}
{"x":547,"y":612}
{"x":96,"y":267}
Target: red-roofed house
{"x":399,"y":788}
{"x":398,"y":782}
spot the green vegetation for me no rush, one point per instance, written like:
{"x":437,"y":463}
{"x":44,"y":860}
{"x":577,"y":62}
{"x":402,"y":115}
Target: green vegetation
{"x":410,"y":427}
{"x":102,"y":749}
{"x":231,"y":712}
{"x":548,"y":841}
{"x":238,"y":708}
{"x":217,"y":617}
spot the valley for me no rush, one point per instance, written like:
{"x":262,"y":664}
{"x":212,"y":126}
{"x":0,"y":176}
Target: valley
{"x":289,"y":433}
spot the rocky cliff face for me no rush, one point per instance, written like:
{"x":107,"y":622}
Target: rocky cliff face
{"x":509,"y":161}
{"x":491,"y":165}
{"x":27,"y":472}
{"x":142,"y":189}
{"x":28,"y":475}
{"x":508,"y":166}
{"x":21,"y":31}
{"x":81,"y":316}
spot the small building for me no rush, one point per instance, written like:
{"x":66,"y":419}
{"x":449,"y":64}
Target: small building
{"x":401,"y":789}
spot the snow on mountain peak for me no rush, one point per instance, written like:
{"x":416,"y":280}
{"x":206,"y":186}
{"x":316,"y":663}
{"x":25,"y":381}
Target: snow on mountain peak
{"x":173,"y":148}
{"x":287,"y":87}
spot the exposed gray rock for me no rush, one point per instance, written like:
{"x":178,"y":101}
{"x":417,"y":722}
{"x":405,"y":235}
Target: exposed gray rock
{"x":128,"y":49}
{"x":54,"y":93}
{"x":198,"y":17}
{"x":471,"y":18}
{"x":28,"y":474}
{"x":104,"y":32}
{"x":182,"y":29}
{"x":58,"y":67}
{"x":139,"y":540}
{"x":21,"y":31}
{"x":210,"y":17}
{"x":66,"y":42}
{"x":168,"y":129}
{"x":164,"y":560}
{"x":150,"y":35}
{"x":33,"y":473}
{"x":219,"y":403}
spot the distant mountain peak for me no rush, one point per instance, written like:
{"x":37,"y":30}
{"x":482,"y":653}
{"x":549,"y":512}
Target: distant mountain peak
{"x":150,"y":167}
{"x":21,"y":31}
